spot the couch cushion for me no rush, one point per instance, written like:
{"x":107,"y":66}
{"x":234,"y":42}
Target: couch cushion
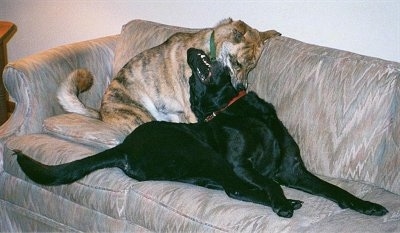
{"x":168,"y":207}
{"x":136,"y":36}
{"x":85,"y":130}
{"x":342,"y":108}
{"x":139,"y":35}
{"x":176,"y":207}
{"x":99,"y":191}
{"x":45,"y":148}
{"x":26,"y":207}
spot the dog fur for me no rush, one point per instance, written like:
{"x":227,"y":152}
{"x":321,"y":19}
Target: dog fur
{"x":244,"y":148}
{"x":154,"y":84}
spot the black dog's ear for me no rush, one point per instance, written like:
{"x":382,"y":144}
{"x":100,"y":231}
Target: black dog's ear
{"x":200,"y":64}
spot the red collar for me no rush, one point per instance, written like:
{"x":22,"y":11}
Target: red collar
{"x":233,"y":100}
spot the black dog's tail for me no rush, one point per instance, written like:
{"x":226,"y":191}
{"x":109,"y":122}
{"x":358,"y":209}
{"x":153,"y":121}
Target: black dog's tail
{"x":69,"y":172}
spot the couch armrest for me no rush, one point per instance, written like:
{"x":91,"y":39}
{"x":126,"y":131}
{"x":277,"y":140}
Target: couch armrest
{"x":342,"y":108}
{"x":32,"y":82}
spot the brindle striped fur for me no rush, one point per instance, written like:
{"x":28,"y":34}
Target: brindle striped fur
{"x":154,"y":84}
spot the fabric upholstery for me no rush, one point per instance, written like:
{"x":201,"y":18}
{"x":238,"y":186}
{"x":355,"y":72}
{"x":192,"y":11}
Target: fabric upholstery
{"x":175,"y":207}
{"x":83,"y":129}
{"x":132,"y":43}
{"x":32,"y":82}
{"x":342,"y":109}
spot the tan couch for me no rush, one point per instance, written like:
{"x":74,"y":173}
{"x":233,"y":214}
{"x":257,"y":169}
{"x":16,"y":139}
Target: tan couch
{"x":342,"y":108}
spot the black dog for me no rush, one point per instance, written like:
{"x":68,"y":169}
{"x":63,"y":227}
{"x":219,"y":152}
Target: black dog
{"x":240,"y":145}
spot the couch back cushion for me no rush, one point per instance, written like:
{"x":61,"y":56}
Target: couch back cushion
{"x":136,"y":36}
{"x":341,"y":107}
{"x":139,"y":35}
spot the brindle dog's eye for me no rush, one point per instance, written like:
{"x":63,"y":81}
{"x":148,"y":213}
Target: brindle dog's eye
{"x":237,"y":35}
{"x":238,"y":66}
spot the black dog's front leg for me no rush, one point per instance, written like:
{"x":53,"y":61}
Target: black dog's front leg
{"x":294,"y":174}
{"x":310,"y":183}
{"x":280,"y":204}
{"x":260,"y":197}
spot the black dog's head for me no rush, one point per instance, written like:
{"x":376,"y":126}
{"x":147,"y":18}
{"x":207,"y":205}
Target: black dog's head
{"x":210,"y":84}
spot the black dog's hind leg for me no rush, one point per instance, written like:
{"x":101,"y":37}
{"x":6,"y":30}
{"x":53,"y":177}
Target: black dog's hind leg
{"x":203,"y":182}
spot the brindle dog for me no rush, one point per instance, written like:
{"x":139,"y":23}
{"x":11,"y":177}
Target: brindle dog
{"x":154,"y":84}
{"x":239,"y":144}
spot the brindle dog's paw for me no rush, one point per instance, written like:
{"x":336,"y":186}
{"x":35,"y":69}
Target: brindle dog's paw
{"x":286,"y":209}
{"x":365,"y":207}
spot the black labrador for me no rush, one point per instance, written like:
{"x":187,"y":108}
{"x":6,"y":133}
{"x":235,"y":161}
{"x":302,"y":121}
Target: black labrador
{"x":239,"y":145}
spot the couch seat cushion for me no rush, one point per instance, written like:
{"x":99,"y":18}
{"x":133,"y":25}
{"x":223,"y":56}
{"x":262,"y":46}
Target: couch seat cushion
{"x":104,"y":190}
{"x":171,"y":206}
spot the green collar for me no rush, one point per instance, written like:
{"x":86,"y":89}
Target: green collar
{"x":213,"y":50}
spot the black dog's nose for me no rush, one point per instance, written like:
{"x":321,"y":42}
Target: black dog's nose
{"x":192,"y":55}
{"x":200,"y":64}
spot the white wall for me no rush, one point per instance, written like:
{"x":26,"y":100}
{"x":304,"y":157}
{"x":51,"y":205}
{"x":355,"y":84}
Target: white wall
{"x":369,"y":27}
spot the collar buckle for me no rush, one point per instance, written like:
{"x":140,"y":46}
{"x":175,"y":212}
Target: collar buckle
{"x":232,"y":101}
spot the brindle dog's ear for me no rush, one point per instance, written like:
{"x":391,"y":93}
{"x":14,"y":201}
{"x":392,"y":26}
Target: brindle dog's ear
{"x":269,"y":34}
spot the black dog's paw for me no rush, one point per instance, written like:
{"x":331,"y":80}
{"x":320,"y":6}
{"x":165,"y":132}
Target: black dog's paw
{"x":376,"y":210}
{"x":370,"y":208}
{"x":296,"y":204}
{"x":286,"y":209}
{"x":365,"y":207}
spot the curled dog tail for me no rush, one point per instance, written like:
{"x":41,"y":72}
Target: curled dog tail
{"x":77,"y":82}
{"x":69,"y":172}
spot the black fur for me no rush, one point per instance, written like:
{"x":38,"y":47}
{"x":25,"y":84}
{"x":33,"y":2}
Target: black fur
{"x":245,"y":149}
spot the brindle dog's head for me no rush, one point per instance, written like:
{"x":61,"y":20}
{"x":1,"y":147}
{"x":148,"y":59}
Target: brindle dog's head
{"x":210,"y":84}
{"x":239,"y":47}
